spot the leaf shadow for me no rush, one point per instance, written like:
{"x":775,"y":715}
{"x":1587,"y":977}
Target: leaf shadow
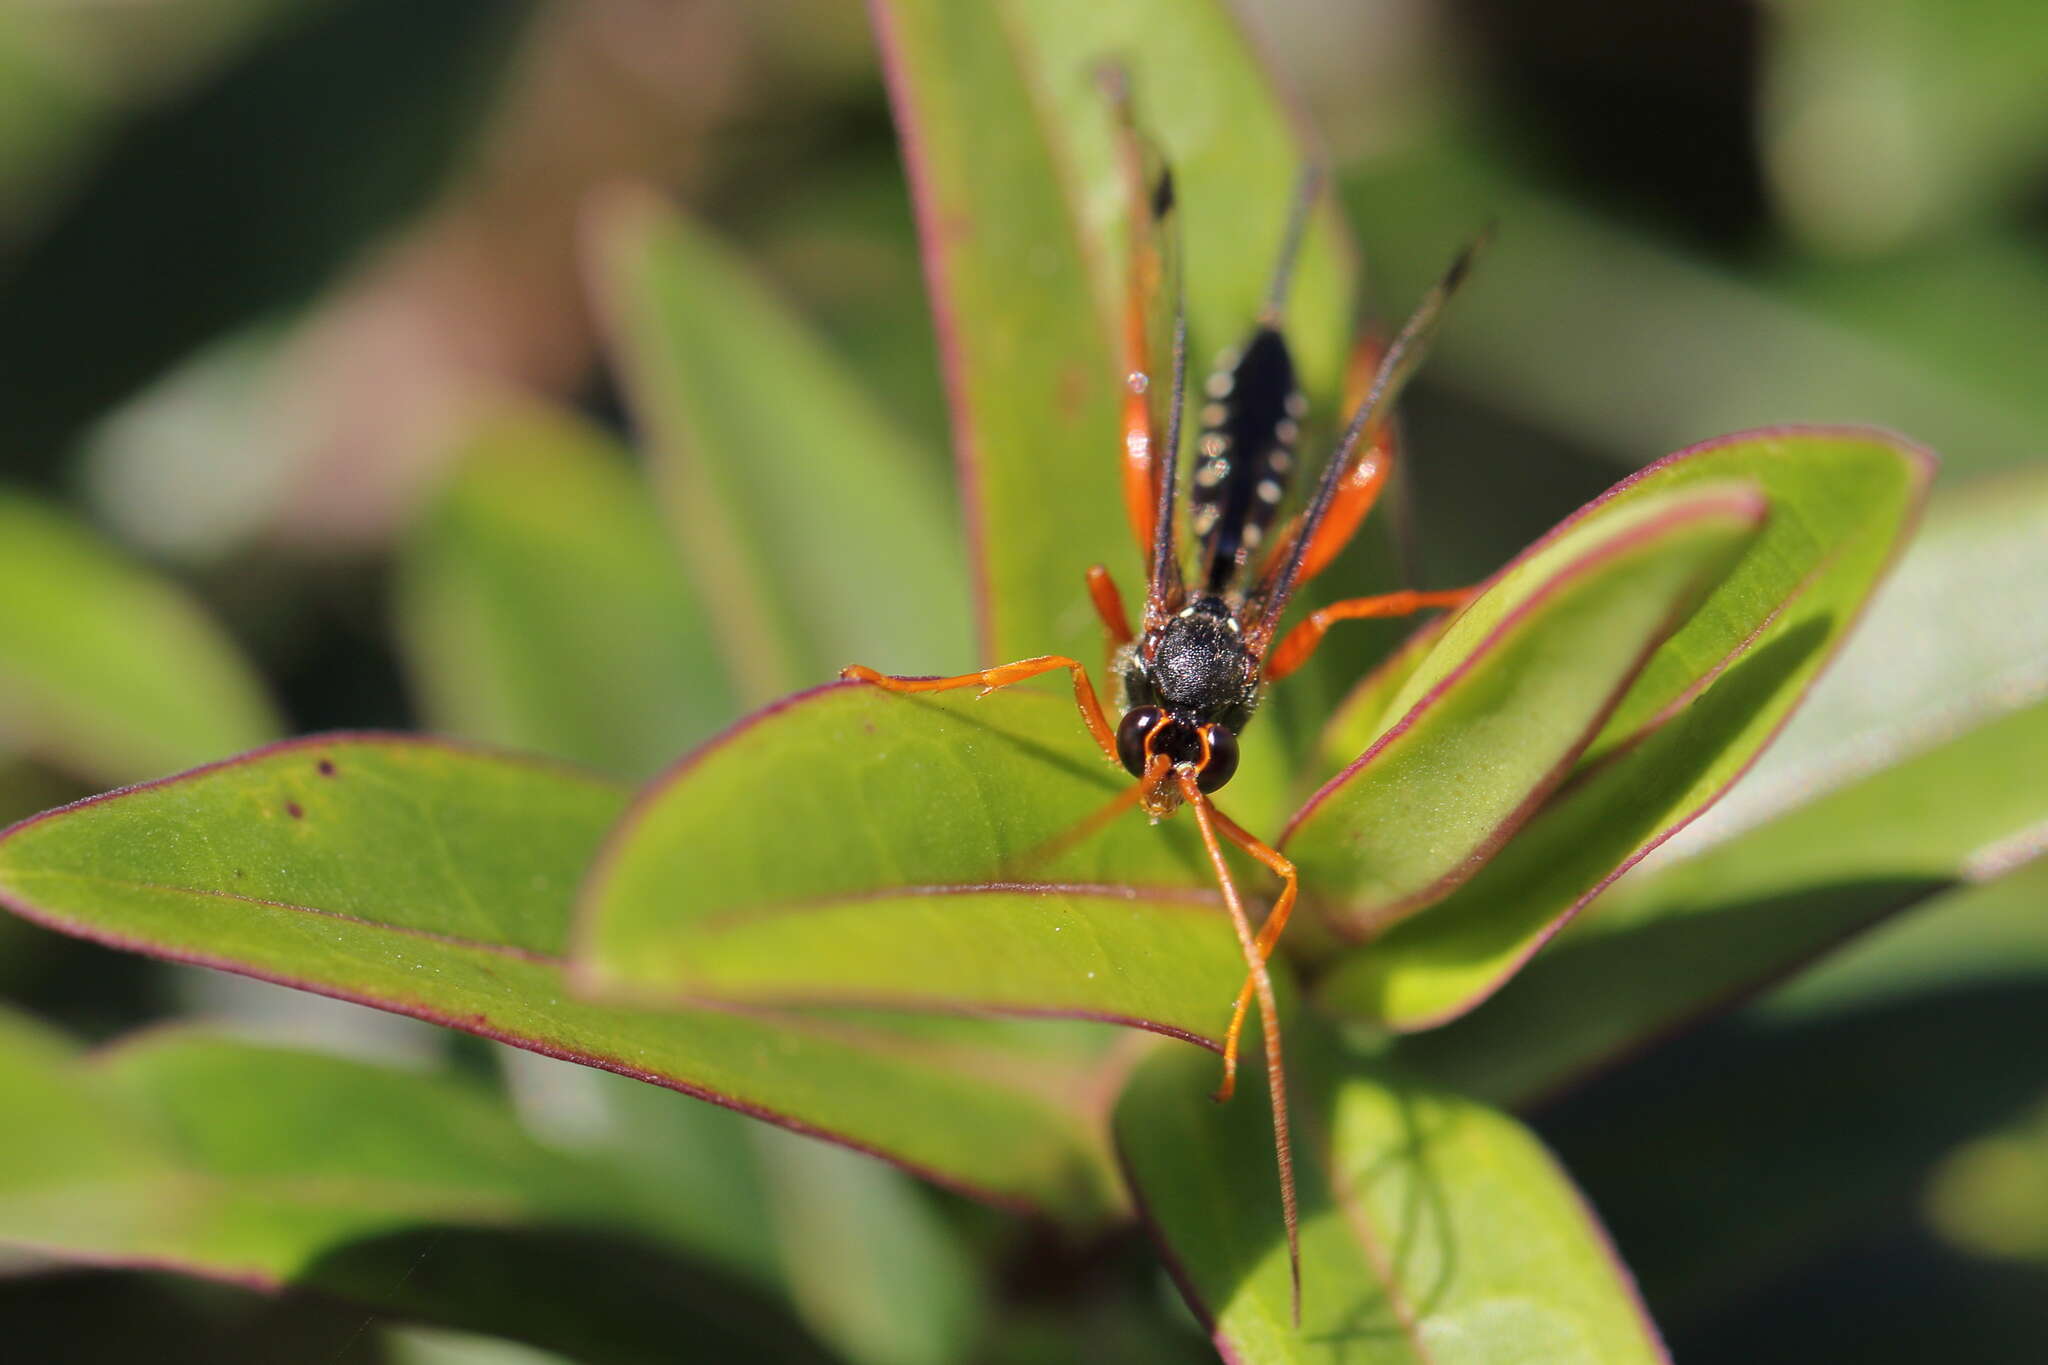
{"x":1597,"y":999}
{"x":592,"y":1295}
{"x":1412,"y":1246}
{"x":1604,"y":820}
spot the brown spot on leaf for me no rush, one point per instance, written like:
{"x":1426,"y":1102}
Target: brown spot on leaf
{"x":295,"y":810}
{"x":327,"y":767}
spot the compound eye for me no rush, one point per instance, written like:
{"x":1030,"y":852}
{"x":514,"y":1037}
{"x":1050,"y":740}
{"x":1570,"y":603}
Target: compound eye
{"x":1222,"y":762}
{"x":1137,"y":725}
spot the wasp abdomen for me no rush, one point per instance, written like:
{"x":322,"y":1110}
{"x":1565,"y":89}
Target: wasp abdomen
{"x":1251,"y":415}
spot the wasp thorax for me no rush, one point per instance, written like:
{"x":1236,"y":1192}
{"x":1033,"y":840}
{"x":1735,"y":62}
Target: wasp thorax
{"x":1200,"y":664}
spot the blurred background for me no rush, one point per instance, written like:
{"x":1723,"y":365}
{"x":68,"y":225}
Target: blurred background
{"x":263,"y":264}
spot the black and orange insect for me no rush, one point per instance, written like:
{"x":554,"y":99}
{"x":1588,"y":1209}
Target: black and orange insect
{"x":1191,"y":675}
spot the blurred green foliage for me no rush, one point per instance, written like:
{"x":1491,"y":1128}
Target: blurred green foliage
{"x":1713,"y":217}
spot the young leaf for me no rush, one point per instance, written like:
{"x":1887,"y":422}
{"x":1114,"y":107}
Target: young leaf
{"x":798,"y":507}
{"x":543,"y":608}
{"x":106,"y":670}
{"x":943,"y":867}
{"x":436,"y":881}
{"x":1239,"y":151}
{"x":1028,"y":368}
{"x":1935,"y":719}
{"x":1702,"y":710}
{"x":269,"y":1167}
{"x":1664,"y":949}
{"x":1006,"y":127}
{"x":1433,"y":1228}
{"x":1498,"y":710}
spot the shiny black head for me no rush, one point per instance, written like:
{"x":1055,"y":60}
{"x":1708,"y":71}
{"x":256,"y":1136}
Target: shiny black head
{"x":1148,"y":731}
{"x":1190,"y":685}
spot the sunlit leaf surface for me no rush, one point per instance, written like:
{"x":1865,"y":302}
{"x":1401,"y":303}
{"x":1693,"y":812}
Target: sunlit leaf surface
{"x":1912,"y":773}
{"x":939,"y":859}
{"x":1433,"y":1228}
{"x":1706,"y":705}
{"x":1498,"y":710}
{"x":436,"y":882}
{"x":1663,"y":949}
{"x":1007,"y":130}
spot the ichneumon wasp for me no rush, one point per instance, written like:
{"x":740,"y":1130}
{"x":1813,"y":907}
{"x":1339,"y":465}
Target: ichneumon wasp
{"x":1190,"y":676}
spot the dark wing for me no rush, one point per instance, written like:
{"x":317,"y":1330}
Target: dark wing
{"x":1268,"y":600}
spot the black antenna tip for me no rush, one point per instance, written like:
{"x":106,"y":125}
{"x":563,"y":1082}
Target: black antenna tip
{"x":1462,"y":266}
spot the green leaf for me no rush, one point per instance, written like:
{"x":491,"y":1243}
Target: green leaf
{"x":922,"y":871}
{"x":269,"y":1167}
{"x":1362,"y":716}
{"x":1909,"y":774}
{"x":1664,"y":949}
{"x":1237,"y":149}
{"x":1843,"y":503}
{"x":1701,"y":711}
{"x":1513,"y":689}
{"x":106,"y":670}
{"x":436,"y":882}
{"x":870,"y":1264}
{"x":1007,"y":132}
{"x":1947,"y":644}
{"x":1027,"y":364}
{"x":801,"y":510}
{"x":1433,"y":1228}
{"x":1981,"y":934}
{"x":542,"y":607}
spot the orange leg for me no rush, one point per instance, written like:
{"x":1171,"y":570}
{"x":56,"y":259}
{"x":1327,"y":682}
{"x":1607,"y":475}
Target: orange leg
{"x":1367,"y":476}
{"x":1269,"y":934}
{"x":1151,"y":304}
{"x":1294,"y":649}
{"x":1109,"y":605}
{"x":989,"y":679}
{"x":1269,"y":1013}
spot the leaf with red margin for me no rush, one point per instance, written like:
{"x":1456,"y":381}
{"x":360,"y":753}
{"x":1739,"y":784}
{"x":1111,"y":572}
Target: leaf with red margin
{"x":1433,"y":1228}
{"x":1842,"y":501}
{"x":941,"y":868}
{"x":1007,"y":135}
{"x":1658,"y":952}
{"x":1913,"y":772}
{"x":267,"y":1167}
{"x":436,"y":881}
{"x":1497,"y":711}
{"x":1238,"y":146}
